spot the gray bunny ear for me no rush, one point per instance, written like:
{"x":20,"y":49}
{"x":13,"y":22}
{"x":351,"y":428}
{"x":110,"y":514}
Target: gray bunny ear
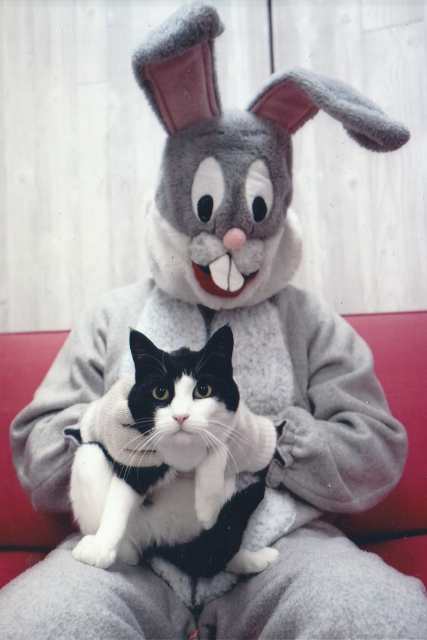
{"x":293,"y":97}
{"x":175,"y":67}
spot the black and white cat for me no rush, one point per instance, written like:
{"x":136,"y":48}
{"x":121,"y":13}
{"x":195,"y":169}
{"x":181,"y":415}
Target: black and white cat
{"x":184,"y":506}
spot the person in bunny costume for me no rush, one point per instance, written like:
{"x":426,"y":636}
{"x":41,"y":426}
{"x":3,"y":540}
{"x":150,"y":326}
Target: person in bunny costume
{"x":223,"y":245}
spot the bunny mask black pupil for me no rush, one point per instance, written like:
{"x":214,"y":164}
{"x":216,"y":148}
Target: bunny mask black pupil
{"x":259,"y":209}
{"x":205,"y":208}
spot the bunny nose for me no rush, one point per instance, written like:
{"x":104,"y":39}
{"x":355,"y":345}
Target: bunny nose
{"x":234,"y":238}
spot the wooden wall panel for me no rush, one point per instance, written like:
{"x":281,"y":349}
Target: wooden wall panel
{"x":79,"y":146}
{"x":363,"y":214}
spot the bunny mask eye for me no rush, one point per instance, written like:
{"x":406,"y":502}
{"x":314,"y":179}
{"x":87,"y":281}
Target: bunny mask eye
{"x":259,"y":190}
{"x":208,"y":189}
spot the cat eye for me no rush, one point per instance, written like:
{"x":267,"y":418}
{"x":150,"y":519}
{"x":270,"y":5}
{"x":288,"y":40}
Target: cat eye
{"x":202,"y":391}
{"x":160,"y":393}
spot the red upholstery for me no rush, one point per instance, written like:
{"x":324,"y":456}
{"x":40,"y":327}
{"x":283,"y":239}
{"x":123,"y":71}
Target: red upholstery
{"x":25,"y":359}
{"x":12,"y":563}
{"x":407,"y":555}
{"x":399,"y":344}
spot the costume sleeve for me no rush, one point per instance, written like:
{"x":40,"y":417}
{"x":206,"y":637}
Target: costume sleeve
{"x":340,"y":450}
{"x":41,"y":454}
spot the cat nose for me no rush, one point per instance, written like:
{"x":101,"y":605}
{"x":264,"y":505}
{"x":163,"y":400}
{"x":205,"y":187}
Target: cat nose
{"x":234,"y":238}
{"x":180,"y":419}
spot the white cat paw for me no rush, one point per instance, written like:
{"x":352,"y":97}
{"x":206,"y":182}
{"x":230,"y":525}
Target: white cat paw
{"x":246,"y":561}
{"x":90,"y":551}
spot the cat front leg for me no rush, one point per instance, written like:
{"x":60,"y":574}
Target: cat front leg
{"x":211,"y":488}
{"x":100,"y":550}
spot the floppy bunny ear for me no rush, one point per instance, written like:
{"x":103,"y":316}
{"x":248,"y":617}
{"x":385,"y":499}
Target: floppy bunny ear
{"x":293,"y":97}
{"x":175,"y":67}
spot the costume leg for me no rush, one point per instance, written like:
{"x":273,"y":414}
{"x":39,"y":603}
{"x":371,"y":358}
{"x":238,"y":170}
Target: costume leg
{"x":322,"y":586}
{"x":62,"y":599}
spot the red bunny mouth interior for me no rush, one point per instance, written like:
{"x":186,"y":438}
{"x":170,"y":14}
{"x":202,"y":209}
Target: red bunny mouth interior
{"x":204,"y":278}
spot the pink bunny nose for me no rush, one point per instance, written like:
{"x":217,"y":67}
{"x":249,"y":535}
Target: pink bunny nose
{"x":180,"y":419}
{"x":234,"y":238}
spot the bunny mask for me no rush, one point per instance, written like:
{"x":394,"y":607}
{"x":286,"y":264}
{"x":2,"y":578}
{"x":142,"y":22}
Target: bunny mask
{"x":220,"y":231}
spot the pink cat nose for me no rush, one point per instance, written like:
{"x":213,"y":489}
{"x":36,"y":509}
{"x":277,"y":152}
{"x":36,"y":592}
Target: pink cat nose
{"x":234,"y":238}
{"x":180,"y":419}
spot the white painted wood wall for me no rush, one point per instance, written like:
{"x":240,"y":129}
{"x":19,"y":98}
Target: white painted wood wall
{"x":79,"y":147}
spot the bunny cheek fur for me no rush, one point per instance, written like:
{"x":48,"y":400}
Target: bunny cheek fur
{"x":168,"y":252}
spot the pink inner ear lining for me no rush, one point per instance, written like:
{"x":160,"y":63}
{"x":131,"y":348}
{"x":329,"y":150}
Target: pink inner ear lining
{"x":184,"y":87}
{"x":287,"y":104}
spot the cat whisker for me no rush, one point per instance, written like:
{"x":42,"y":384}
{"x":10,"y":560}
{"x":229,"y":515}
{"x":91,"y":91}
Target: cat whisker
{"x":202,"y":361}
{"x":206,"y":440}
{"x":131,"y":441}
{"x":238,"y":445}
{"x":141,"y":421}
{"x":235,"y":435}
{"x":129,"y":466}
{"x":217,"y":444}
{"x":223,"y":447}
{"x":153,"y":442}
{"x":138,"y":466}
{"x":163,"y":368}
{"x":210,"y":442}
{"x":133,"y":454}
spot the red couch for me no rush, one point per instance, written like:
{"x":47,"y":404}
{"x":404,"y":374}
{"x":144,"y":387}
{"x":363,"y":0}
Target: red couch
{"x":396,"y":529}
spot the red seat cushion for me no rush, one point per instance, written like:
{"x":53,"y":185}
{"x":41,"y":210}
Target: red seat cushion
{"x":25,"y":359}
{"x":12,"y":563}
{"x":407,"y":555}
{"x":399,"y":344}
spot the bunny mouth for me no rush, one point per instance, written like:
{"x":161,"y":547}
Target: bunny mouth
{"x":221,"y":277}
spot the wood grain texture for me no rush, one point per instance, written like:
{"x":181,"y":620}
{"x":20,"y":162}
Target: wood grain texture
{"x":363,"y":214}
{"x":381,"y":14}
{"x":79,"y":146}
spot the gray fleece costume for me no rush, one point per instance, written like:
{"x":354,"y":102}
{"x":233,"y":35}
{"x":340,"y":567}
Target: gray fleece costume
{"x":295,"y":361}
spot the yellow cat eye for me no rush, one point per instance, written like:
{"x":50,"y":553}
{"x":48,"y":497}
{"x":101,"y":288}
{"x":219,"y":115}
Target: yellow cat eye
{"x":202,"y":391}
{"x":160,"y":393}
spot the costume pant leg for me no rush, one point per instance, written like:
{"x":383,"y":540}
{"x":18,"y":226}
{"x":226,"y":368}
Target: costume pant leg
{"x":323,"y":586}
{"x":62,"y":599}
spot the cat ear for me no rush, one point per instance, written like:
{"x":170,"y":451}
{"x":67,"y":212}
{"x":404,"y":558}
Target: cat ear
{"x":221,"y":343}
{"x":144,"y":352}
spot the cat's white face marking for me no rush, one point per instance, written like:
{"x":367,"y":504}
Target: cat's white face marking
{"x":188,"y":427}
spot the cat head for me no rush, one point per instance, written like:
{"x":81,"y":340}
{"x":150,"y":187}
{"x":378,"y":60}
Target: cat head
{"x":220,"y":231}
{"x":184,"y":402}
